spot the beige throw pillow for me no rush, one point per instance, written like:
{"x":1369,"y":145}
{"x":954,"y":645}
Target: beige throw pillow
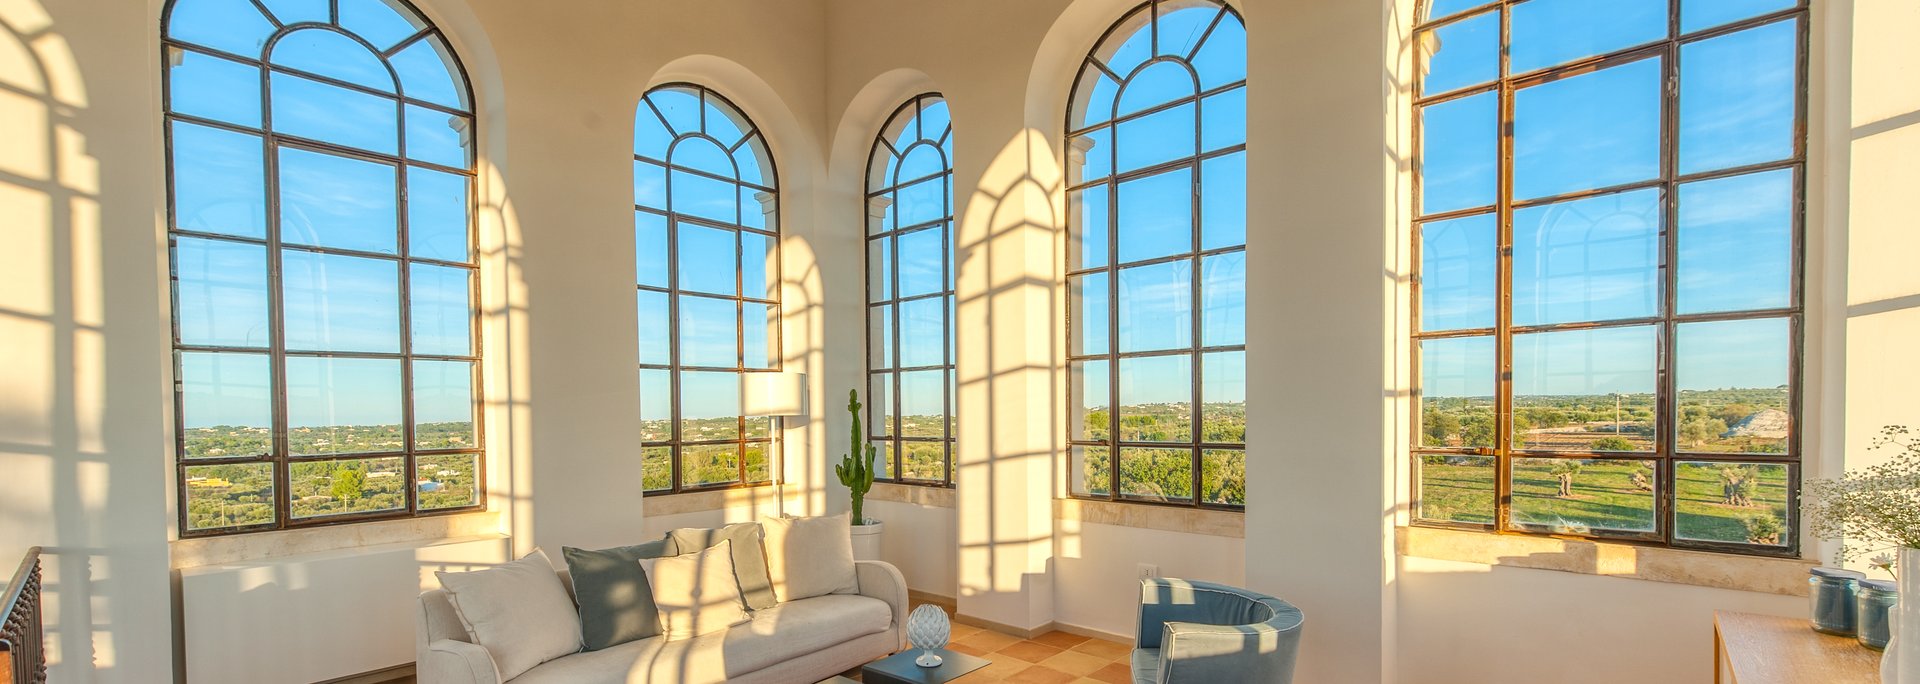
{"x":518,"y":611}
{"x":696,"y":592}
{"x":808,"y":557}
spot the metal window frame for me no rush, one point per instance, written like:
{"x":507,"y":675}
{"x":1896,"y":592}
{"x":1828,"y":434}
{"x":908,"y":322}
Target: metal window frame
{"x":279,"y":458}
{"x":676,"y":442}
{"x":1665,"y":454}
{"x":891,"y":434}
{"x":1111,"y":267}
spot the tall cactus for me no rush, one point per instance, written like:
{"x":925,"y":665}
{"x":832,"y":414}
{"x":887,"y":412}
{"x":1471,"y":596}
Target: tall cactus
{"x":854,"y":473}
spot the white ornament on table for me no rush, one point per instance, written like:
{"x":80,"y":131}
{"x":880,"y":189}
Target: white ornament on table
{"x":927,"y":629}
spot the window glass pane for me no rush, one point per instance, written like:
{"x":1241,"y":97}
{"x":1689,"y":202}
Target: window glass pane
{"x":1552,"y":32}
{"x":437,"y":137}
{"x":1157,"y":474}
{"x":1180,"y":27}
{"x":443,"y":405}
{"x":651,"y":138}
{"x":1088,"y":221}
{"x":656,"y":468}
{"x":922,"y":253}
{"x":1223,"y":477}
{"x":1158,"y":137}
{"x":1155,"y":85}
{"x":1223,"y":299}
{"x":1455,"y":489}
{"x":219,"y":181}
{"x":441,"y":306}
{"x":1156,"y":399}
{"x":1223,"y":201}
{"x":1441,"y":9}
{"x":709,"y":332}
{"x":1736,"y":243}
{"x":1088,"y":308}
{"x":1092,"y":98}
{"x":447,"y":481}
{"x":707,"y":259}
{"x":1223,"y":120}
{"x":923,"y":404}
{"x":331,"y":201}
{"x":232,"y":25}
{"x":384,"y":23}
{"x":326,"y":53}
{"x":1584,"y":496}
{"x":1457,"y":393}
{"x":1588,"y":131}
{"x":1223,"y":395}
{"x":1156,"y":307}
{"x":923,"y":332}
{"x":882,"y":460}
{"x":655,"y":330}
{"x":1699,"y":14}
{"x":709,"y":406}
{"x":759,"y":266}
{"x":233,"y":495}
{"x":1091,"y":418}
{"x":709,"y":464}
{"x":1156,"y":216}
{"x":1592,"y":259}
{"x":1740,"y":503}
{"x":295,"y":11}
{"x":755,"y":454}
{"x":1585,"y":390}
{"x":879,"y":269}
{"x":656,"y":405}
{"x":428,"y":72}
{"x":1090,"y":156}
{"x":220,"y":293}
{"x":340,"y":303}
{"x":880,"y":404}
{"x":924,"y":461}
{"x":437,"y":225}
{"x":1737,"y":98}
{"x":921,"y":202}
{"x":880,"y":336}
{"x":921,"y":161}
{"x":757,"y":323}
{"x":755,"y":162}
{"x":315,"y":110}
{"x":758,"y":427}
{"x":343,"y":405}
{"x":1733,"y":389}
{"x":696,"y":195}
{"x":650,"y":185}
{"x":1222,"y":58}
{"x":203,"y":85}
{"x":1459,"y":144}
{"x":1457,"y":274}
{"x":650,"y":249}
{"x":226,"y":405}
{"x":1091,"y":471}
{"x":700,"y":154}
{"x":1461,"y":54}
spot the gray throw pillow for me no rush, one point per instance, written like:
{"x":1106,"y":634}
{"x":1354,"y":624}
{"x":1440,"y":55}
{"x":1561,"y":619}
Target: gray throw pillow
{"x":749,"y":558}
{"x":613,"y":594}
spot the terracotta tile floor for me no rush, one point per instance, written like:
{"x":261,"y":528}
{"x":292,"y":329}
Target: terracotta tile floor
{"x":1051,"y":658}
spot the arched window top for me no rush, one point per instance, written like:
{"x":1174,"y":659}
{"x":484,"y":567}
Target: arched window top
{"x":692,"y":127}
{"x":916,"y":143}
{"x":1160,"y":53}
{"x":383,"y":46}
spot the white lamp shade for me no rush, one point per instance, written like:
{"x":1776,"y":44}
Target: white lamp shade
{"x":774,"y":394}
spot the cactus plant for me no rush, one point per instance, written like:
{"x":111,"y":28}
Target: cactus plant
{"x":856,"y":474}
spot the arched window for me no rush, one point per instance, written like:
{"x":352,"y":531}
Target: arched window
{"x":910,"y":293}
{"x":1607,"y":301}
{"x":1156,"y":259}
{"x":707,"y":240}
{"x":320,"y":203}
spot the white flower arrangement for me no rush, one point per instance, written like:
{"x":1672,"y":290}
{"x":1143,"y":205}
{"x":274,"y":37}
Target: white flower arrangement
{"x":1870,"y":509}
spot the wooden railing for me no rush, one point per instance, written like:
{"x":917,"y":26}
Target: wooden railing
{"x":23,"y":657}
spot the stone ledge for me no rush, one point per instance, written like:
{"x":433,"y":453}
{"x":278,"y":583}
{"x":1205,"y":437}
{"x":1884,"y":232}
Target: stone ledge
{"x":1784,"y":576}
{"x":938,"y":497}
{"x":737,"y":497}
{"x":1205,"y":521}
{"x":188,"y":553}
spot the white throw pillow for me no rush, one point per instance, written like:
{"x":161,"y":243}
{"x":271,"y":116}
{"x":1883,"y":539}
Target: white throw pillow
{"x":808,"y":557}
{"x":518,"y":611}
{"x":696,"y":592}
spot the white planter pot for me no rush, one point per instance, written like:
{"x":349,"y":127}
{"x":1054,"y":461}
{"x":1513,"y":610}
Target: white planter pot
{"x":1901,"y":663}
{"x":866,"y":540}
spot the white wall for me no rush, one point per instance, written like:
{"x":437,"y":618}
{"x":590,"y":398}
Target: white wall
{"x":1096,"y":570}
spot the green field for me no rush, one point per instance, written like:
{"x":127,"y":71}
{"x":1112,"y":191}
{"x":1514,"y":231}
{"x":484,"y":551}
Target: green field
{"x":241,"y":494}
{"x":1604,"y":496}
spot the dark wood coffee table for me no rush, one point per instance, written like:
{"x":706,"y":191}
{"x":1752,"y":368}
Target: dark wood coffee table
{"x":899,"y":668}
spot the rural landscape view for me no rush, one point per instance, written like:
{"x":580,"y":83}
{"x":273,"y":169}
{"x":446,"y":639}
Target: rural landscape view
{"x":1166,"y":473}
{"x":241,"y":494}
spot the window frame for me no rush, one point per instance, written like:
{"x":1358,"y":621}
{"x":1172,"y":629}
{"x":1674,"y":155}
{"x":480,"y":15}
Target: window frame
{"x":892,"y":437}
{"x":1666,"y":321}
{"x":674,"y":292}
{"x":280,"y":458}
{"x":1197,"y":352}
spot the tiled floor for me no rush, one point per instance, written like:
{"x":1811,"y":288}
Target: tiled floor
{"x":1051,"y":658}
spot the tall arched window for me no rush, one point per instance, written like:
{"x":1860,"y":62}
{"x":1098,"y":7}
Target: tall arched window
{"x":1156,"y":259}
{"x":910,"y":293}
{"x":1607,"y":320}
{"x":707,"y":240}
{"x":320,"y":202}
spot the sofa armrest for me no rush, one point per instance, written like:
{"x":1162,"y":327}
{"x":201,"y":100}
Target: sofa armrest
{"x":456,"y":662}
{"x":1193,"y":653}
{"x":879,"y":579}
{"x":1166,"y":599}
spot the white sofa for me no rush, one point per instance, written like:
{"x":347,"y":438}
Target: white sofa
{"x":797,"y":641}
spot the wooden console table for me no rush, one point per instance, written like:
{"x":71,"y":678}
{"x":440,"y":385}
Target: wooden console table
{"x":1766,"y":649}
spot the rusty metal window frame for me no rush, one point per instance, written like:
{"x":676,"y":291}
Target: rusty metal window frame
{"x":272,"y":141}
{"x":1666,"y":453}
{"x":768,"y":194}
{"x":1149,"y":13}
{"x":885,"y":423}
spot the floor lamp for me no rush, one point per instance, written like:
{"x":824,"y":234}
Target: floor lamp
{"x":776,"y":395}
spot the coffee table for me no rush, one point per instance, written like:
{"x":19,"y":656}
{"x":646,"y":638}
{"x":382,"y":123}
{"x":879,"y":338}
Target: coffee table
{"x":899,"y":668}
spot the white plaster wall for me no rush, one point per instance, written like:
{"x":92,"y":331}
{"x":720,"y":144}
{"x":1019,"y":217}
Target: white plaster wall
{"x":1096,"y":570}
{"x":922,"y":541}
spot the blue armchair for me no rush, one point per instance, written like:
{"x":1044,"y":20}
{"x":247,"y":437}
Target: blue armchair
{"x":1194,"y":632}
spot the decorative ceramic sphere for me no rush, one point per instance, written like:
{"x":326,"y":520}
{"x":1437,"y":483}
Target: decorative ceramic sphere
{"x":927,"y":629}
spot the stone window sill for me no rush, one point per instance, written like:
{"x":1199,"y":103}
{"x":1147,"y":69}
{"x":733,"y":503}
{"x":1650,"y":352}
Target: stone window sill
{"x":937,"y":497}
{"x":240,"y":548}
{"x":1207,"y":521}
{"x":1784,"y":576}
{"x":760,"y":497}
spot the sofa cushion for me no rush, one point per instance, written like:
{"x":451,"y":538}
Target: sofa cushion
{"x":808,"y":557}
{"x":749,"y":558}
{"x":610,"y":589}
{"x":518,"y":611}
{"x":1146,"y":665}
{"x":696,"y":592}
{"x":774,"y":636}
